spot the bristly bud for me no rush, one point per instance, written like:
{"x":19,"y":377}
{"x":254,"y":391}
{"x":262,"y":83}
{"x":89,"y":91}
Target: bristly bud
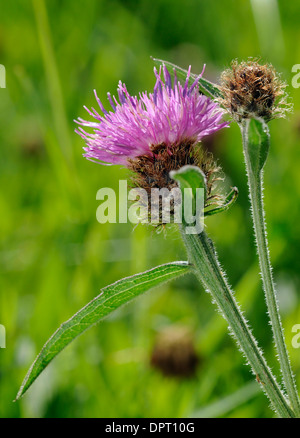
{"x":251,"y":90}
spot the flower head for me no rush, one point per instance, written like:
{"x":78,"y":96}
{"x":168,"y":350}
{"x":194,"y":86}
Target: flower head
{"x":253,"y":90}
{"x":173,"y":114}
{"x":155,"y":134}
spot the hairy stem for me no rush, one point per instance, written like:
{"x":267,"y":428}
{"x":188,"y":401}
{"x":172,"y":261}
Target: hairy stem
{"x":256,"y":145}
{"x":207,"y":268}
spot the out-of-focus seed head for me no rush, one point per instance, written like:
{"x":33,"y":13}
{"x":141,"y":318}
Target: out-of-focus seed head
{"x":253,"y":90}
{"x":174,"y":353}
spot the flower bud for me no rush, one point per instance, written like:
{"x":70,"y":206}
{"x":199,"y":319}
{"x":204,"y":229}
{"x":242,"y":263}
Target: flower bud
{"x":251,"y":90}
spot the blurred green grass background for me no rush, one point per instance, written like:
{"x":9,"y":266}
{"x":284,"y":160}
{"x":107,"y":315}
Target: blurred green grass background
{"x":55,"y":256}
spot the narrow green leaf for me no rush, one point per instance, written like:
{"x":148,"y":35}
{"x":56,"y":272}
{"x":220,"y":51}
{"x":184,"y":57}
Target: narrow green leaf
{"x":257,"y":143}
{"x":192,"y":184}
{"x":206,"y":87}
{"x":110,"y":299}
{"x":229,"y":201}
{"x":190,"y":177}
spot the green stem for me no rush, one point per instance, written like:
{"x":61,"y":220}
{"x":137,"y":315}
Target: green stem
{"x":207,"y":268}
{"x":256,"y":145}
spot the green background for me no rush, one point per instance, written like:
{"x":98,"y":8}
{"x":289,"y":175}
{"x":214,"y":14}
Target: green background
{"x":55,"y":256}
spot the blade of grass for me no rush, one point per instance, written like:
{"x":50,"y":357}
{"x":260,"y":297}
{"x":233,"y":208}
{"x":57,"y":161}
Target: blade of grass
{"x":229,"y":403}
{"x":53,"y":80}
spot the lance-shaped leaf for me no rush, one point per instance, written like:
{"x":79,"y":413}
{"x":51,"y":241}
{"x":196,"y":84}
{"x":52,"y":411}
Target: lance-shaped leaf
{"x":192,"y":178}
{"x":206,"y":87}
{"x":192,"y":183}
{"x":256,"y":140}
{"x":110,"y":299}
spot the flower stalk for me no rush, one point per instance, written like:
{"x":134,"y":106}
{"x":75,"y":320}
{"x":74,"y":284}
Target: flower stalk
{"x":207,"y":268}
{"x":202,"y":255}
{"x":256,"y":140}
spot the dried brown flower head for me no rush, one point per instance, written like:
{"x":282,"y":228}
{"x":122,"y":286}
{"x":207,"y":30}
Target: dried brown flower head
{"x":174,"y":353}
{"x":253,"y":90}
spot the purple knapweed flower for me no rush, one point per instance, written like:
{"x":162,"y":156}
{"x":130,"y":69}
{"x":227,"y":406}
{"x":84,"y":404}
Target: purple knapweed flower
{"x":173,"y":114}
